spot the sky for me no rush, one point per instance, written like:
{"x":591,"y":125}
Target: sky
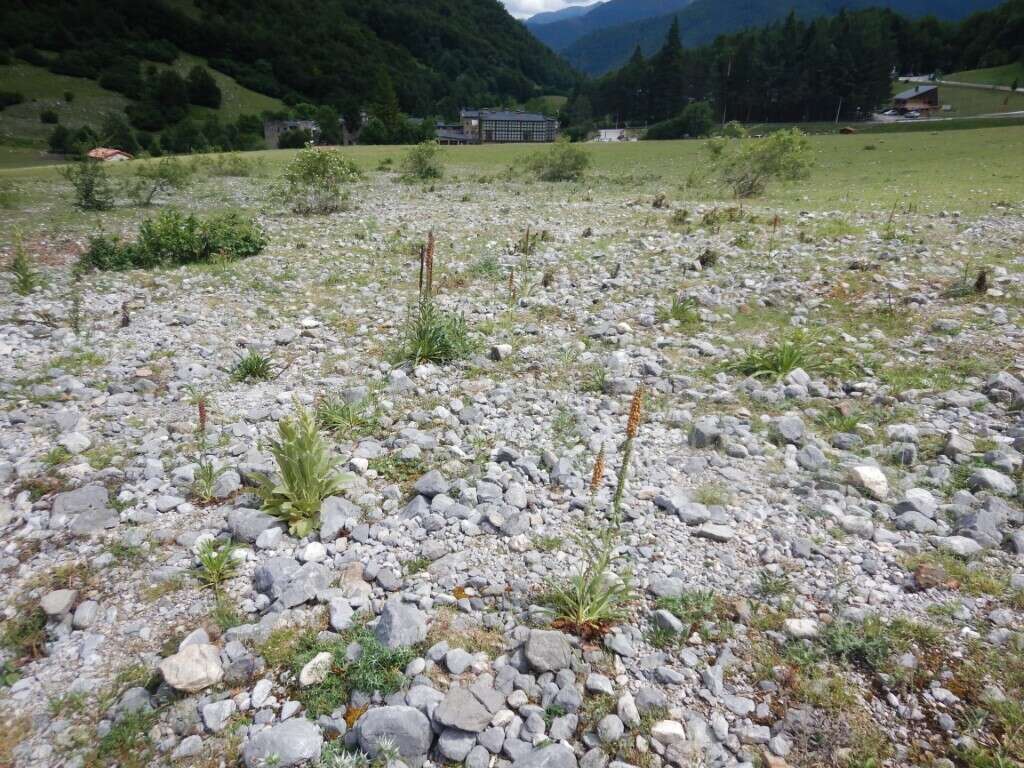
{"x":523,"y":8}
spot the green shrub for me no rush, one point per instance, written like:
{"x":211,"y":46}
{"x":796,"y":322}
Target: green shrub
{"x":24,"y":277}
{"x":217,"y":564}
{"x":308,"y":474}
{"x":747,"y":166}
{"x":152,"y":179}
{"x":433,"y":335}
{"x":562,"y":161}
{"x":49,"y":117}
{"x":592,"y":598}
{"x":172,"y":239}
{"x":90,"y":184}
{"x":423,"y":162}
{"x":10,"y":98}
{"x":252,"y":366}
{"x":695,"y":120}
{"x":314,"y":181}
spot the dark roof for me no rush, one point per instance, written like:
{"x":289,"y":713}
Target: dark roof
{"x":917,"y":90}
{"x":499,"y":114}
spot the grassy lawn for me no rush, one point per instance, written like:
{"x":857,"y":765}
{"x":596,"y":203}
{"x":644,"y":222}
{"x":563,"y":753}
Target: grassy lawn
{"x":966,"y":101}
{"x":965,"y":170}
{"x":1005,"y":75}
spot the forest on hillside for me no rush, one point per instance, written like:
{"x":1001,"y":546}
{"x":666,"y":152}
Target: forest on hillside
{"x":435,"y":55}
{"x":797,"y":70}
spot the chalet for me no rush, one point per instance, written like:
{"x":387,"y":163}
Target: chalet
{"x":108,"y":155}
{"x":496,"y":126}
{"x":920,"y":98}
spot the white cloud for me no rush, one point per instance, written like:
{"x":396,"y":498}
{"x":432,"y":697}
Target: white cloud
{"x":523,"y":8}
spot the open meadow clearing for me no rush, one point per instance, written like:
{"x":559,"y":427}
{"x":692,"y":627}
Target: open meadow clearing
{"x":790,"y":425}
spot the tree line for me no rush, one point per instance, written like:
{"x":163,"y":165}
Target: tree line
{"x":796,"y":70}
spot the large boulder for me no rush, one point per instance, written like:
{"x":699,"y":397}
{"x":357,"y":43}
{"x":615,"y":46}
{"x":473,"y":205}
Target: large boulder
{"x":406,"y":727}
{"x":294,"y":742}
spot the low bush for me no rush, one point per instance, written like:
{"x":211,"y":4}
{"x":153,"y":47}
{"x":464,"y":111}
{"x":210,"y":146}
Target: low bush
{"x":562,"y":161}
{"x":24,"y":277}
{"x":49,"y":117}
{"x":423,"y":162}
{"x":152,"y":179}
{"x":90,"y":185}
{"x":748,"y":166}
{"x":172,"y":239}
{"x":314,"y":182}
{"x":10,"y":98}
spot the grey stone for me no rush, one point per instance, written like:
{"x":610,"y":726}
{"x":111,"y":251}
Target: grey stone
{"x":991,"y":480}
{"x":334,"y":511}
{"x":58,"y":602}
{"x":247,"y":524}
{"x":291,"y":743}
{"x":548,"y":651}
{"x":610,"y":729}
{"x":461,"y":709}
{"x":406,"y":726}
{"x":788,"y":429}
{"x":431,"y":484}
{"x":217,"y":713}
{"x":401,"y":624}
{"x":547,"y":756}
{"x":455,"y":745}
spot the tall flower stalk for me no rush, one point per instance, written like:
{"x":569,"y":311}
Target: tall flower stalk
{"x":632,"y":429}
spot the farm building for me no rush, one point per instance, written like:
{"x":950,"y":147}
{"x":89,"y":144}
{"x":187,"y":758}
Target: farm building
{"x":921,"y":98}
{"x":108,"y":155}
{"x":495,"y":126}
{"x":612,"y":134}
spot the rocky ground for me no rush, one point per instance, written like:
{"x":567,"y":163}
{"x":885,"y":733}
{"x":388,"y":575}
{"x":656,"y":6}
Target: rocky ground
{"x":827,"y":563}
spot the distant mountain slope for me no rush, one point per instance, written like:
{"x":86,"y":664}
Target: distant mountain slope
{"x":703,"y":20}
{"x":561,"y":34}
{"x":569,"y":12}
{"x":435,"y":54}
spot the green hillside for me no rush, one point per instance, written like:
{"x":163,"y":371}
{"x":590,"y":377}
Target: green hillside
{"x":20,"y":125}
{"x":431,"y":56}
{"x":1005,"y":76}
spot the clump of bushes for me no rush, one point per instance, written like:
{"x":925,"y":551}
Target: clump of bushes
{"x":90,"y":185}
{"x":314,"y":182}
{"x":562,"y":161}
{"x":423,"y":162}
{"x":152,"y":179}
{"x":49,"y":117}
{"x":172,"y":239}
{"x":747,"y":166}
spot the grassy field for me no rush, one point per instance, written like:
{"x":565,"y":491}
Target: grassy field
{"x":237,"y":99}
{"x":1005,"y":75}
{"x":967,"y":101}
{"x":955,"y":170}
{"x":20,"y":125}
